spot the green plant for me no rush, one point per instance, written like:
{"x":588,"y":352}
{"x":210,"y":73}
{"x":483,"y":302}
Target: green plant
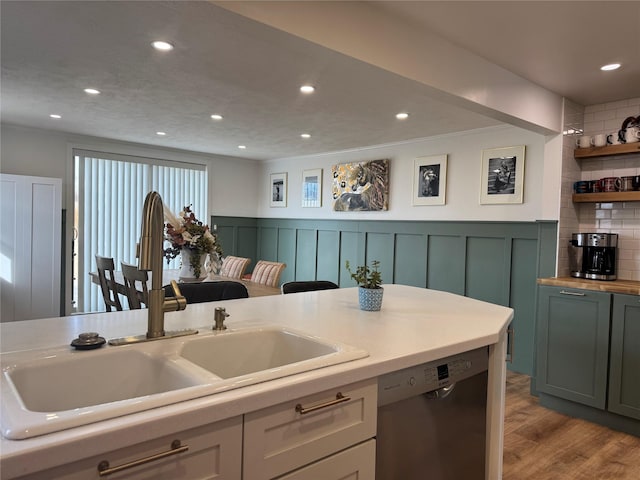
{"x":366,"y":277}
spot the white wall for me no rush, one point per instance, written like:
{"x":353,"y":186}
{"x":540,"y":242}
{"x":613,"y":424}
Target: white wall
{"x":622,"y":218}
{"x":240,"y":187}
{"x":27,"y":151}
{"x":464,"y":152}
{"x":46,"y":153}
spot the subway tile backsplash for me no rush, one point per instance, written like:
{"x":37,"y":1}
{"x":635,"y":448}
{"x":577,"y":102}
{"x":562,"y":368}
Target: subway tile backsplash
{"x":622,"y":218}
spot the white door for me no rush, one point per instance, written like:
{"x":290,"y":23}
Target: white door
{"x":30,"y":247}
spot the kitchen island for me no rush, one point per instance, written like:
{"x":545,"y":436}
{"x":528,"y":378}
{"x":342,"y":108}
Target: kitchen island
{"x":414,"y":326}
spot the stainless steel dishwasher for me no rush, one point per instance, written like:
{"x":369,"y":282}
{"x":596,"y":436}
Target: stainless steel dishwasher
{"x":432,"y":420}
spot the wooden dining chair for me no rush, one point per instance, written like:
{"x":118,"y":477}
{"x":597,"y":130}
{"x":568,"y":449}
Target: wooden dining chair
{"x":234,"y":267}
{"x":267,"y":273}
{"x":108,"y":283}
{"x":135,"y":282}
{"x":307,"y":286}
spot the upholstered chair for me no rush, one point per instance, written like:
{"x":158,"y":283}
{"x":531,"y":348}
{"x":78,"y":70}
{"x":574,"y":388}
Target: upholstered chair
{"x":307,"y":286}
{"x":267,"y":273}
{"x":234,"y":267}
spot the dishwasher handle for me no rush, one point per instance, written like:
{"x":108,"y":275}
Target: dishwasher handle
{"x":440,"y":393}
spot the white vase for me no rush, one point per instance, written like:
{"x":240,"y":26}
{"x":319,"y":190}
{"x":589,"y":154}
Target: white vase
{"x":187,"y":273}
{"x":215,"y":264}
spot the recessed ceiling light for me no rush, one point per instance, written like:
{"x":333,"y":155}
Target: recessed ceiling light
{"x":92,"y":91}
{"x":215,"y":116}
{"x":305,"y":135}
{"x":160,"y":45}
{"x":610,"y":66}
{"x":55,"y":115}
{"x":307,"y":89}
{"x":402,"y":115}
{"x":162,"y":134}
{"x":242,"y":147}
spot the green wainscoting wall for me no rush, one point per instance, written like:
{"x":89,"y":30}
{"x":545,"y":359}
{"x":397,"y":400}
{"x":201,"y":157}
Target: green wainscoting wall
{"x":497,"y":262}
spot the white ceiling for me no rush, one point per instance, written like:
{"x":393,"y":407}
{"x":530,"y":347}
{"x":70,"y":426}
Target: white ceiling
{"x":559,"y":45}
{"x":250,"y":73}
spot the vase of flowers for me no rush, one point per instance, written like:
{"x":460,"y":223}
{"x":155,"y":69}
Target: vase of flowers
{"x":192,"y":268}
{"x":192,"y":240}
{"x":370,"y":289}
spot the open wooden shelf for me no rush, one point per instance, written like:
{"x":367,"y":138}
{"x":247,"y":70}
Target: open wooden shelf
{"x":621,"y":149}
{"x":606,"y":197}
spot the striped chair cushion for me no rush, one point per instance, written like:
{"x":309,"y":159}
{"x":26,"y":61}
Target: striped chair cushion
{"x":234,"y":267}
{"x":267,"y":273}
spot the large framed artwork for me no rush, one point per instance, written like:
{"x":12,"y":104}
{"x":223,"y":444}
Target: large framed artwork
{"x":278,"y":190}
{"x":429,"y":180}
{"x":502,"y":178}
{"x":362,"y":186}
{"x":312,"y":188}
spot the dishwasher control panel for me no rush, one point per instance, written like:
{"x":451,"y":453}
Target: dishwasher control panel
{"x":430,"y":376}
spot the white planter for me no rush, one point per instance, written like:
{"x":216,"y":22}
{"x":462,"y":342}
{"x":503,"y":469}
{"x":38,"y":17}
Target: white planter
{"x":187,"y":273}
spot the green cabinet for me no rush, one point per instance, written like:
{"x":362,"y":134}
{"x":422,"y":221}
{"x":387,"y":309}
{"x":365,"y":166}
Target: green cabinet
{"x":573,"y":344}
{"x":624,"y":374}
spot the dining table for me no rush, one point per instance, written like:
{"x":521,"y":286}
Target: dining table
{"x":255,"y":289}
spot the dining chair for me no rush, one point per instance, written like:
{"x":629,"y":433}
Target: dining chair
{"x":135,"y":283}
{"x":267,"y":273}
{"x":234,"y":267}
{"x":307,"y":286}
{"x":108,"y":283}
{"x":199,"y":292}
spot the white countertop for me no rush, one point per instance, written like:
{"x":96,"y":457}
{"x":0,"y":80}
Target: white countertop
{"x":415,"y":325}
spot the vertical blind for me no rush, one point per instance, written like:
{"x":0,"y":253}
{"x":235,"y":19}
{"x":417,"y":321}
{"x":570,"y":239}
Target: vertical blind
{"x":110,"y":193}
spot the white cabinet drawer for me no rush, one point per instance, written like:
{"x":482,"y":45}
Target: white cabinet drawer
{"x":215,"y":452}
{"x":280,"y":439}
{"x":355,"y":463}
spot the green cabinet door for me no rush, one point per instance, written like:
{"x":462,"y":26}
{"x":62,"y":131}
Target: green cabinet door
{"x":624,"y":374}
{"x":573,"y":344}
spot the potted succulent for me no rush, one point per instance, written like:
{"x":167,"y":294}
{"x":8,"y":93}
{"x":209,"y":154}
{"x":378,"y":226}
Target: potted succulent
{"x":369,"y":280}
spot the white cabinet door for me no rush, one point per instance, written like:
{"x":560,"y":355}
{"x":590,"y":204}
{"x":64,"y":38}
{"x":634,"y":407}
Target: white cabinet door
{"x":355,"y":463}
{"x":285,"y":437}
{"x":214,"y":452}
{"x":30,"y":246}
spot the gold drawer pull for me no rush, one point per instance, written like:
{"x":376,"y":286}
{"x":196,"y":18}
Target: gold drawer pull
{"x":176,"y":448}
{"x":339,"y":399}
{"x":575,"y":294}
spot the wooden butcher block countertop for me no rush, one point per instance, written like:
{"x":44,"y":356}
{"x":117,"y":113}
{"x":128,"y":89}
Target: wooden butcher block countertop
{"x":629,"y":287}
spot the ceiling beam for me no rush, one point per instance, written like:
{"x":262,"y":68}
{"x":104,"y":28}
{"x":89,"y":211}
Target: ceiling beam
{"x":365,"y":32}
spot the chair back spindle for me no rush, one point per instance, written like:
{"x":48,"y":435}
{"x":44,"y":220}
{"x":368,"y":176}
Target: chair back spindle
{"x":107,"y":283}
{"x":136,"y":285}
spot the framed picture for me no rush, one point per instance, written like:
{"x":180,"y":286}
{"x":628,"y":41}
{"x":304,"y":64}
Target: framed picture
{"x":429,"y":180}
{"x":502,"y":178}
{"x":278,"y":190}
{"x":361,"y":186}
{"x":312,"y":188}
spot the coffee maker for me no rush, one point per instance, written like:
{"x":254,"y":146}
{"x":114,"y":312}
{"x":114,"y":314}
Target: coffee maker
{"x":593,"y":255}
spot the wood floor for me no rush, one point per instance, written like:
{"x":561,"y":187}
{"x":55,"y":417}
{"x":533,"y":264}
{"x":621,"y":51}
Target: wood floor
{"x":542,"y":444}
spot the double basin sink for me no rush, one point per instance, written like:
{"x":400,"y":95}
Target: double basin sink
{"x":51,"y":390}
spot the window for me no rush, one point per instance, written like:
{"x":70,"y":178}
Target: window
{"x":109,"y":193}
